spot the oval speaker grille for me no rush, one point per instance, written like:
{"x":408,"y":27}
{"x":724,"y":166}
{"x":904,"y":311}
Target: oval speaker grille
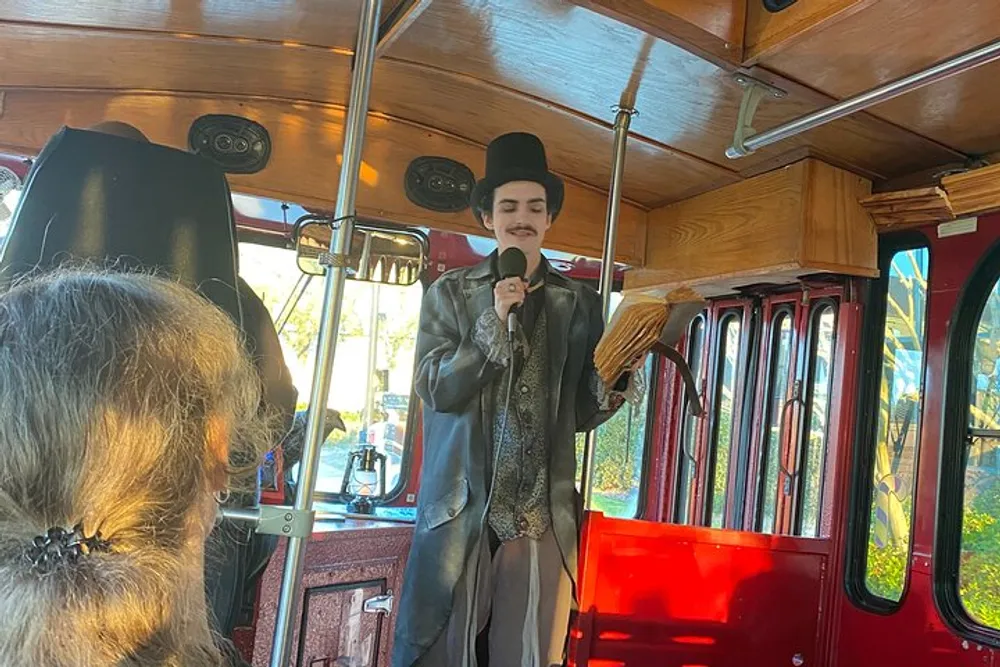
{"x":237,"y":144}
{"x":439,"y":184}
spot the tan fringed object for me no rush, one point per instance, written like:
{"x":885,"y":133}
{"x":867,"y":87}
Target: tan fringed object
{"x":636,"y":326}
{"x":975,"y":191}
{"x":904,"y":208}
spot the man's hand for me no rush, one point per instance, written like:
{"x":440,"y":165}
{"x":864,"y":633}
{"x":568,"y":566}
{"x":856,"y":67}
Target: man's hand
{"x":507,"y":294}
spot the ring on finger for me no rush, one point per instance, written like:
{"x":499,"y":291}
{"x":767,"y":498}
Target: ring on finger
{"x":512,"y":288}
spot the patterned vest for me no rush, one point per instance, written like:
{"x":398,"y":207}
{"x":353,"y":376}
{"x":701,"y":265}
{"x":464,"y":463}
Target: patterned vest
{"x":520,"y":505}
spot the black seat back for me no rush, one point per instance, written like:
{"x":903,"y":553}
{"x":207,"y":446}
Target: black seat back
{"x":107,"y":199}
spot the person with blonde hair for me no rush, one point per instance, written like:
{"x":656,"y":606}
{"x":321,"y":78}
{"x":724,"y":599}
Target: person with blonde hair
{"x":128,"y":405}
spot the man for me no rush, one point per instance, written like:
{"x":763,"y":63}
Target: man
{"x":493,"y":560}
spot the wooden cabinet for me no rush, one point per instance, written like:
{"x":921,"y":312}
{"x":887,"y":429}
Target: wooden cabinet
{"x":802,"y":219}
{"x":767,"y":32}
{"x":351,"y":570}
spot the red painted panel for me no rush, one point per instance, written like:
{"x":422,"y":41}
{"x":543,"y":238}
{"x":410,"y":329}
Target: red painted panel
{"x":915,"y":634}
{"x":665,"y":595}
{"x":342,"y":562}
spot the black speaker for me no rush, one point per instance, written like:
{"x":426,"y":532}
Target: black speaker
{"x":238,"y":145}
{"x":775,"y":6}
{"x":439,"y":184}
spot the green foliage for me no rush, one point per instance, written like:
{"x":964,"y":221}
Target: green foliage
{"x":618,"y":459}
{"x":979,"y":571}
{"x":886,"y":571}
{"x":979,"y":568}
{"x":896,"y":434}
{"x":617,"y":455}
{"x":722,"y":454}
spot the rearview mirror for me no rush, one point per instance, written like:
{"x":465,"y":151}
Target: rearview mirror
{"x":379,"y":253}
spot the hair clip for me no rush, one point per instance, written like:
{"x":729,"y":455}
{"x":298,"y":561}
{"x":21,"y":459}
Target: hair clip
{"x":59,"y":545}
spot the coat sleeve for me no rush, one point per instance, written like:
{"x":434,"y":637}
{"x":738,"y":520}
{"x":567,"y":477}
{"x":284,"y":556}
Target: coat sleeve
{"x":595,"y":402}
{"x":452,"y":366}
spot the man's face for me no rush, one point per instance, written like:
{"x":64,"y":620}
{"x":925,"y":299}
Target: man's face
{"x":520,"y":216}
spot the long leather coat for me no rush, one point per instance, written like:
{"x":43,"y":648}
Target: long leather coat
{"x":452,"y":379}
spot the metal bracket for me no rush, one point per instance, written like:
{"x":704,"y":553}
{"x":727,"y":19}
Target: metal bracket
{"x":380,"y":604}
{"x":277,"y":520}
{"x":274,"y":519}
{"x":754,"y":90}
{"x":333,"y":260}
{"x":617,"y":109}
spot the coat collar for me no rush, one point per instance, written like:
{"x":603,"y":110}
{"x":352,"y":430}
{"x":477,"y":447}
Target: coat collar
{"x":483,"y":270}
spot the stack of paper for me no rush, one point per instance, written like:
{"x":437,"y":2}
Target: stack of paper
{"x":909,"y":207}
{"x":639,"y":322}
{"x":974,"y":191}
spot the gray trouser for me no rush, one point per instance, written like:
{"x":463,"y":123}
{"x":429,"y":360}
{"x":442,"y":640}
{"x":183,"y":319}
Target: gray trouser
{"x":529,"y":593}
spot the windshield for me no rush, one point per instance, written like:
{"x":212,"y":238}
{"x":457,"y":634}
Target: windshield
{"x":373,"y":368}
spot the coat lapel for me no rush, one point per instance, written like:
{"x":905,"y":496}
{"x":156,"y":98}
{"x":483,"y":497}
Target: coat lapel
{"x":478,"y":292}
{"x":560,"y":303}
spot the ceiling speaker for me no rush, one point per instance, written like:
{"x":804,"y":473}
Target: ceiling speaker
{"x":775,"y":6}
{"x":439,"y":184}
{"x":237,"y":144}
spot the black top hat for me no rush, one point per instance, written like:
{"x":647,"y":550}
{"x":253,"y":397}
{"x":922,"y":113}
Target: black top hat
{"x":517,"y":156}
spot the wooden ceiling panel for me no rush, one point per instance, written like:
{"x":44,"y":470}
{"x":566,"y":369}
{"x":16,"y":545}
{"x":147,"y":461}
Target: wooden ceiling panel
{"x":304,"y":161}
{"x":767,"y":32}
{"x":129,"y":60}
{"x":468,"y":68}
{"x":710,"y":28}
{"x":580,"y":60}
{"x":960,"y":111}
{"x":585,"y":61}
{"x":317,"y":22}
{"x":575,"y":145}
{"x":459,"y":105}
{"x":892,"y":38}
{"x":887,"y":40}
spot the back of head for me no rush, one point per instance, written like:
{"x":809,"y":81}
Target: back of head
{"x":116,"y":392}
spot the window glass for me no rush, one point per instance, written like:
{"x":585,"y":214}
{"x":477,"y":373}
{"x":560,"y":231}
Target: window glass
{"x":619,"y":452}
{"x":373,"y":368}
{"x":898,"y":425}
{"x":725,"y":401}
{"x":979,"y":570}
{"x":780,"y":368}
{"x":687,"y":452}
{"x":10,"y":195}
{"x":813,"y":463}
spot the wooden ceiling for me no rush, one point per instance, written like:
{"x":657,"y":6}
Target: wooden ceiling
{"x":465,"y":71}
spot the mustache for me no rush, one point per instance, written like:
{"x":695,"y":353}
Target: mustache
{"x":522,"y":228}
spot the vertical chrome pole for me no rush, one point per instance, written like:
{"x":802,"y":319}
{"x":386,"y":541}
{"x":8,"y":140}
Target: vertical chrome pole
{"x":622,"y":122}
{"x":354,"y":136}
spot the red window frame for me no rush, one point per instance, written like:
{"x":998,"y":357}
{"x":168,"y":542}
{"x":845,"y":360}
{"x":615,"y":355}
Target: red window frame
{"x":757,"y":321}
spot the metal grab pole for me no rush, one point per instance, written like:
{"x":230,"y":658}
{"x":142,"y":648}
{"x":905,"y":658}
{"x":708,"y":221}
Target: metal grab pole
{"x":963,"y":63}
{"x":354,"y":134}
{"x":622,"y":122}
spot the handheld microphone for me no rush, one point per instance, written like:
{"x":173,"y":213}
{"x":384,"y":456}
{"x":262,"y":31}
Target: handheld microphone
{"x":512,"y":264}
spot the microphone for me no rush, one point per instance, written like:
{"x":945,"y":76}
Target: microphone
{"x":512,"y":264}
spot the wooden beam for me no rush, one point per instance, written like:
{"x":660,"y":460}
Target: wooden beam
{"x":798,"y":220}
{"x":303,"y":168}
{"x":712,"y":29}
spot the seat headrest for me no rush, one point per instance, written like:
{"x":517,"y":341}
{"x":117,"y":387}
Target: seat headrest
{"x":123,"y":204}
